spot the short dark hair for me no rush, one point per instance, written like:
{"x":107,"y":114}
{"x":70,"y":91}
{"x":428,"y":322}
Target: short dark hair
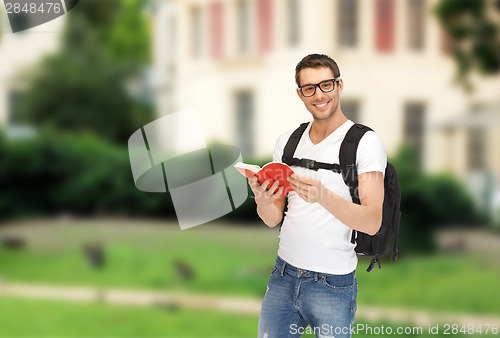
{"x":316,"y":61}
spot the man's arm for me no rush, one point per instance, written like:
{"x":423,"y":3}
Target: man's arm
{"x":365,"y":217}
{"x":270,"y":207}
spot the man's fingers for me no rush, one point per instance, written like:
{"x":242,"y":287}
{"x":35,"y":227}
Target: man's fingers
{"x":298,"y":189}
{"x":280,"y":191}
{"x":252,"y":181}
{"x":273,"y":191}
{"x":296,"y":184}
{"x":264,"y":185}
{"x":300,"y":181}
{"x":300,"y":178}
{"x":273,"y":187}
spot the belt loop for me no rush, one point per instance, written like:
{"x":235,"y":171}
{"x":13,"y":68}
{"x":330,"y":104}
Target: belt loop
{"x":316,"y":276}
{"x":283,"y":268}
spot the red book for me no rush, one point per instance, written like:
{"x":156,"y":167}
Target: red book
{"x":271,"y":171}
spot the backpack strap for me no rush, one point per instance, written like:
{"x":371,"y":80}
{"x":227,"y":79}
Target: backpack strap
{"x":347,"y":158}
{"x":292,"y":143}
{"x":290,"y":148}
{"x":288,"y":151}
{"x":396,"y":237}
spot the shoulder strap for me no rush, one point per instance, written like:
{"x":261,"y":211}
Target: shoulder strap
{"x":288,"y":151}
{"x":347,"y":158}
{"x":292,"y":143}
{"x":290,"y":148}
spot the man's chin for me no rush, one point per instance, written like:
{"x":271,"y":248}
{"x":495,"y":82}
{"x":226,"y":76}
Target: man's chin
{"x":323,"y":116}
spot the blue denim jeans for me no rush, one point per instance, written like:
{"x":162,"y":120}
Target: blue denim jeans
{"x":297,"y":297}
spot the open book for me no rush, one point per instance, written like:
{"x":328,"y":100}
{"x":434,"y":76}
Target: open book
{"x":271,"y":171}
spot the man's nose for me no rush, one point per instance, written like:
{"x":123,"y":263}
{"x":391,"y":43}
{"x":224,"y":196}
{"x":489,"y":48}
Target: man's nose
{"x":319,"y":93}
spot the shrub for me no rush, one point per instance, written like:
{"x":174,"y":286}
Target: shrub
{"x":80,"y":174}
{"x":429,"y":202}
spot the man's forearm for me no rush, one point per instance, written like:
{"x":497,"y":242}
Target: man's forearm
{"x":366,"y":217}
{"x":271,"y":214}
{"x":362,"y":218}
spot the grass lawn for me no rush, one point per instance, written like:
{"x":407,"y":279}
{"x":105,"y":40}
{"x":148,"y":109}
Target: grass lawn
{"x":234,"y":260}
{"x":230,"y":260}
{"x":21,"y":317}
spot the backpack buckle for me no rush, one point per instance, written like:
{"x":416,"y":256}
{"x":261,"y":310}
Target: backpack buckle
{"x":350,"y":166}
{"x":308,"y":164}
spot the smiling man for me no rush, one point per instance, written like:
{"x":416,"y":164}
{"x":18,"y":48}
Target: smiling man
{"x":313,"y":281}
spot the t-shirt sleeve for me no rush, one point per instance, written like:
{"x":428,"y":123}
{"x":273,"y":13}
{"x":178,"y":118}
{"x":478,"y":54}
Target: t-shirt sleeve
{"x":371,"y":154}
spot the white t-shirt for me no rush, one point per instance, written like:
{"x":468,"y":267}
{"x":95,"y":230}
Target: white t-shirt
{"x":312,"y":238}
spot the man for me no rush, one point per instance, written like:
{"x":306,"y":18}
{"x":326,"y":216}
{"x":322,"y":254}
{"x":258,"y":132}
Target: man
{"x":313,"y":280}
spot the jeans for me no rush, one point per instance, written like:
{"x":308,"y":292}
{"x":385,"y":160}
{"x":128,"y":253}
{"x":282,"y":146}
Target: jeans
{"x":297,"y":297}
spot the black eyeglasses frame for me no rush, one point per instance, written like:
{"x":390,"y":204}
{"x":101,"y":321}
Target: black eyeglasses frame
{"x":318,"y":85}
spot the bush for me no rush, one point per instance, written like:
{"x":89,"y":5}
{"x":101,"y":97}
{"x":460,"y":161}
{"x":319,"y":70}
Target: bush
{"x":80,"y":174}
{"x":429,"y":202}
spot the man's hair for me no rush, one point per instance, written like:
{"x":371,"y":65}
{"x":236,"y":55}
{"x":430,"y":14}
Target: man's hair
{"x":316,"y":61}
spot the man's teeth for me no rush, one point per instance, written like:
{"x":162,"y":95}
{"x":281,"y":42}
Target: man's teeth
{"x":321,"y":105}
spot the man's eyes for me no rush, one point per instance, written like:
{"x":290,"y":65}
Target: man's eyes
{"x":326,"y":85}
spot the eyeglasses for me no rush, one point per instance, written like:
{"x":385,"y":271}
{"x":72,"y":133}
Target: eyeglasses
{"x":326,"y":86}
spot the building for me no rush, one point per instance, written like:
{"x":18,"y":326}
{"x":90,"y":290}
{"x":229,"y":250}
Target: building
{"x":234,"y":61}
{"x":19,"y":53}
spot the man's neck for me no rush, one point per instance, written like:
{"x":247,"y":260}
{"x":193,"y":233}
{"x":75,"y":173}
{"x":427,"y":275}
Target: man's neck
{"x":320,"y":129}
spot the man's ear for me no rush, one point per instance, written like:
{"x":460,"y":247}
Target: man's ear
{"x":340,"y":85}
{"x":299,"y":94}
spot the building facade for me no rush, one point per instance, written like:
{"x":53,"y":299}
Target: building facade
{"x":19,"y":53}
{"x":234,"y":60}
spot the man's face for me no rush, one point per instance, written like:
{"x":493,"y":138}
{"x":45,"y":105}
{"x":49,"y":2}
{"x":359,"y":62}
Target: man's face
{"x":321,"y":105}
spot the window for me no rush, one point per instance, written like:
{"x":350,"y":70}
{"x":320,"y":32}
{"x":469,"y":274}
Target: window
{"x":414,"y":127}
{"x":196,"y":32}
{"x":416,"y":11}
{"x":476,"y":145}
{"x":347,"y":20}
{"x":243,"y":13}
{"x":264,"y":15}
{"x":350,"y":108}
{"x":170,"y":38}
{"x":216,"y":29}
{"x":293,"y":22}
{"x":384,"y":21}
{"x":244,"y":112}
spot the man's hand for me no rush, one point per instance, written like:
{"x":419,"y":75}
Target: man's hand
{"x":264,"y":195}
{"x":308,"y":188}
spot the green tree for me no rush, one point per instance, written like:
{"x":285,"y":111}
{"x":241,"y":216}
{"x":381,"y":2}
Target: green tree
{"x":120,"y":28}
{"x":129,"y":39}
{"x":84,"y":86}
{"x":474,"y":35}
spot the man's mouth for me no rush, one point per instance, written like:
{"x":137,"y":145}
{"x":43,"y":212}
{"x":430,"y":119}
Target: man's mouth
{"x":321,"y":104}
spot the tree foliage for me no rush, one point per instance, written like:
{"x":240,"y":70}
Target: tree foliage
{"x":83,"y":87}
{"x":59,"y":172}
{"x":473,"y":30}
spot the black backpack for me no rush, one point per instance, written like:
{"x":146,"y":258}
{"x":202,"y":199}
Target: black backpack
{"x":377,"y":244}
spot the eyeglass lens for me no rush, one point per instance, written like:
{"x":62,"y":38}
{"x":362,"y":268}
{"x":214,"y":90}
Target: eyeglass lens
{"x":325,"y":86}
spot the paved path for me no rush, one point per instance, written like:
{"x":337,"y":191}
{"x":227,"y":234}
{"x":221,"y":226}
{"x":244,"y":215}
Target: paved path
{"x":225,"y":303}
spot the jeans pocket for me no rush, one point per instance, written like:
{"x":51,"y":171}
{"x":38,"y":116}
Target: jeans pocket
{"x":338,"y":283}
